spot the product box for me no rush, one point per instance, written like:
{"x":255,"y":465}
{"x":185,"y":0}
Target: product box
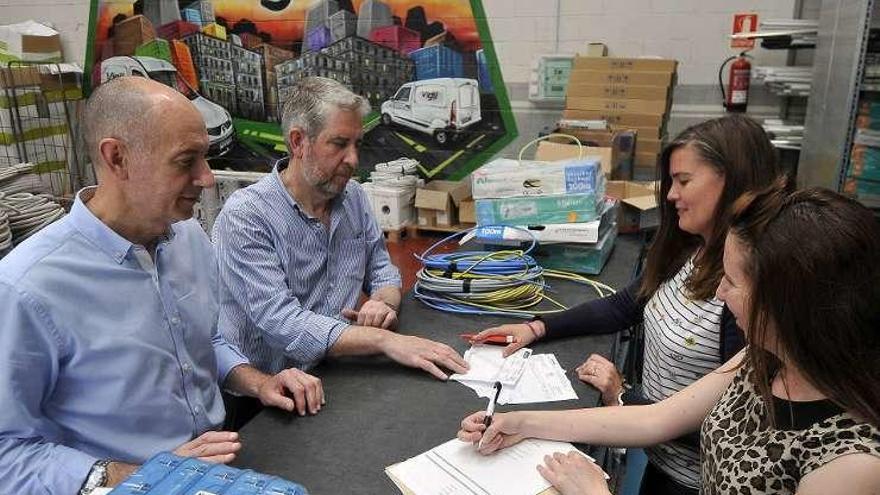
{"x":578,"y":258}
{"x":132,"y":33}
{"x":505,"y":178}
{"x":625,"y":64}
{"x":437,"y":202}
{"x":467,"y":211}
{"x":616,"y":77}
{"x":617,"y":118}
{"x":392,"y":206}
{"x":649,"y":145}
{"x":619,"y":91}
{"x":642,"y":131}
{"x":646,"y":158}
{"x":578,"y":233}
{"x":638,"y":209}
{"x":596,"y":49}
{"x":29,"y":41}
{"x":549,"y":151}
{"x":621,"y":145}
{"x":617,"y":105}
{"x":526,"y":210}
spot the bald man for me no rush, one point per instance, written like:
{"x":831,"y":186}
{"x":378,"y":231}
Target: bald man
{"x":109,"y":350}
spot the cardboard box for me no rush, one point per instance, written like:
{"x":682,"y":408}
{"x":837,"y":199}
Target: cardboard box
{"x":644,"y":132}
{"x":549,"y":151}
{"x":578,"y":233}
{"x":578,"y":258}
{"x":618,"y":118}
{"x":615,"y":147}
{"x":525,"y":210}
{"x":638,"y":209}
{"x":646,"y":159}
{"x":438,"y":201}
{"x":662,"y":79}
{"x":132,"y":33}
{"x":615,"y":105}
{"x":625,"y":64}
{"x":18,"y":77}
{"x":29,"y":41}
{"x":505,"y":178}
{"x":619,"y":91}
{"x":649,"y":145}
{"x":467,"y":212}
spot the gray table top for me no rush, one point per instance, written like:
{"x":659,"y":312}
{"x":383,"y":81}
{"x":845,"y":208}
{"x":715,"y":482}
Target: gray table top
{"x":379,"y":413}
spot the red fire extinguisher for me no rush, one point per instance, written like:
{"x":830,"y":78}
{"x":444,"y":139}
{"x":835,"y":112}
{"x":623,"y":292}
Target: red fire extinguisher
{"x":737,"y":97}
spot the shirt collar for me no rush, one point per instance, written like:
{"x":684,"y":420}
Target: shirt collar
{"x":279,"y":187}
{"x":90,"y":226}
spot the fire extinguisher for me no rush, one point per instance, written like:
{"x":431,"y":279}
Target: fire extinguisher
{"x":737,"y":97}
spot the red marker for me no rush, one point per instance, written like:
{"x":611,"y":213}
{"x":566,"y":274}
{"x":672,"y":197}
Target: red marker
{"x":492,"y":339}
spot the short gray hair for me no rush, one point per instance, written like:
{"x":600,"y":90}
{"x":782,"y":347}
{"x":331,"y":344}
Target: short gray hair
{"x":117,"y":109}
{"x":310,"y":102}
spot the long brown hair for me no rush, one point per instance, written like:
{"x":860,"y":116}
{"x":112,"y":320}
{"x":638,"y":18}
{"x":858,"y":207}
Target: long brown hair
{"x":814,"y":274}
{"x":737,"y":148}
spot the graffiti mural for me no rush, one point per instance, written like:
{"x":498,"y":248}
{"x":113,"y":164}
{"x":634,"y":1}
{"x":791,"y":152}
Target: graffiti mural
{"x":428,"y":69}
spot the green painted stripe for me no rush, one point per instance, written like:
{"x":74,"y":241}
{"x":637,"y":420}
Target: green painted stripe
{"x":436,"y":170}
{"x":7,"y":139}
{"x":281,"y":147}
{"x":270,"y":137}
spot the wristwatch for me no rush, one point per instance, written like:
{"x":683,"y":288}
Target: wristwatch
{"x":97,"y":477}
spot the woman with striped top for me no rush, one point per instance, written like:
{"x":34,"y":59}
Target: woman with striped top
{"x":798,"y":411}
{"x":688,"y":332}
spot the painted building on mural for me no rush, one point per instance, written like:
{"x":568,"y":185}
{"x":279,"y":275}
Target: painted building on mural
{"x":212,"y":58}
{"x":247,"y":67}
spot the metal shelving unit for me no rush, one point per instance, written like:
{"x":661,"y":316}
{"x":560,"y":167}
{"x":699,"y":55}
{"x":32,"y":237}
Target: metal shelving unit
{"x":838,"y":69}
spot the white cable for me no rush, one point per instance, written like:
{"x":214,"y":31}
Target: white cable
{"x":28,"y":213}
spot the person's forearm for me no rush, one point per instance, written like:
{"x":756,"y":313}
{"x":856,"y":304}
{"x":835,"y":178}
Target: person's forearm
{"x":245,"y":380}
{"x":359,"y":341}
{"x":629,"y":426}
{"x":389,"y":295}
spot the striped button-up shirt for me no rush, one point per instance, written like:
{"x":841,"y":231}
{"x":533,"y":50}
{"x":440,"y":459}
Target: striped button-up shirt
{"x":285,"y":278}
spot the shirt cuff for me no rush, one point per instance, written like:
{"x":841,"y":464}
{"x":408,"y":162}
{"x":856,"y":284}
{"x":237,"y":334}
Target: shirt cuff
{"x":228,"y":357}
{"x":70,"y":470}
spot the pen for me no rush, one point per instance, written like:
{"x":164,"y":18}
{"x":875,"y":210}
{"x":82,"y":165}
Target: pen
{"x":492,"y":339}
{"x":490,"y":411}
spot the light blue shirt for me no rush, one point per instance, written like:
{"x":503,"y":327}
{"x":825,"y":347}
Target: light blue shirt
{"x":103,"y":353}
{"x":285,"y":278}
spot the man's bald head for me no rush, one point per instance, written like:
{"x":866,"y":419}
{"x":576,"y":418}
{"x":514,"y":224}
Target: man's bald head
{"x":126,"y":108}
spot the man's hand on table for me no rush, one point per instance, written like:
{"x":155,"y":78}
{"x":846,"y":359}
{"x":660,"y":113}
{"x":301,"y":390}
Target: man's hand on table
{"x":306,"y":391}
{"x":428,"y":355}
{"x":373,"y":313}
{"x":212,"y":446}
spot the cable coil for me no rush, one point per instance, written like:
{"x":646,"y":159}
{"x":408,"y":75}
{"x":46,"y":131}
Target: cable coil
{"x":500,"y":283}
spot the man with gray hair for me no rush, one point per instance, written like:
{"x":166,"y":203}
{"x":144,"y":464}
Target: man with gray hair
{"x":297,"y":249}
{"x":109,"y":351}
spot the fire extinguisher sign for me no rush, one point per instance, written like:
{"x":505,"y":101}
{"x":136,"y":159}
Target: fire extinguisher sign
{"x":744,"y":23}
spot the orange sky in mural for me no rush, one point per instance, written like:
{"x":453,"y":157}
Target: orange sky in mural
{"x":287,"y":25}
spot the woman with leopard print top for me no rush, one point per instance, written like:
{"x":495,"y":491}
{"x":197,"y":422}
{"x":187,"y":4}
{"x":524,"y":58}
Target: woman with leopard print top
{"x":798,"y":411}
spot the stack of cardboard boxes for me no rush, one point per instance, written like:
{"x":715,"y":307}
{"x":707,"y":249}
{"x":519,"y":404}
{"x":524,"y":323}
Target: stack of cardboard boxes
{"x":627,"y":93}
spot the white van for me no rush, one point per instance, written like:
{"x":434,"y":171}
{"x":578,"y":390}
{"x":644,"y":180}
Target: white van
{"x":441,"y":107}
{"x":217,"y":119}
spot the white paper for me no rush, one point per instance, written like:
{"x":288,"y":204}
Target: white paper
{"x":423,"y":477}
{"x":543,"y":381}
{"x":487,"y":364}
{"x":541,"y":378}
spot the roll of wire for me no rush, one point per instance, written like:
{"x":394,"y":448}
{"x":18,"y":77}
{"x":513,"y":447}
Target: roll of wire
{"x":28,"y":213}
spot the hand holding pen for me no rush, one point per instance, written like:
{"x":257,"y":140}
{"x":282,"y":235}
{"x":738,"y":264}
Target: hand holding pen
{"x":490,"y":411}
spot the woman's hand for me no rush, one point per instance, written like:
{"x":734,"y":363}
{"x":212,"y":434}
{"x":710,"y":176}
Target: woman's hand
{"x":602,"y":374}
{"x":504,"y":431}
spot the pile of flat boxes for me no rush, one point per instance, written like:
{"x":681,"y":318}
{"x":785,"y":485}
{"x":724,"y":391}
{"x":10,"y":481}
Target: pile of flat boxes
{"x":628,"y":94}
{"x":561,"y":205}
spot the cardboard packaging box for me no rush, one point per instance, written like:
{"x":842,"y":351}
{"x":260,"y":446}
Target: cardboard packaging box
{"x":437,"y":203}
{"x":467,"y":211}
{"x":132,"y":33}
{"x":615,"y":105}
{"x":29,"y":41}
{"x":625,"y":64}
{"x":593,"y":77}
{"x":596,"y":50}
{"x":619,"y":91}
{"x":505,"y":178}
{"x":578,"y":233}
{"x":525,"y":210}
{"x":638,"y":209}
{"x":649,"y":145}
{"x":620,"y":145}
{"x":646,"y":159}
{"x":642,"y":131}
{"x":549,"y":151}
{"x":578,"y":258}
{"x":618,"y":118}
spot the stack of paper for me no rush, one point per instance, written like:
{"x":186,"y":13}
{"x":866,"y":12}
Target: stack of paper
{"x":525,"y":377}
{"x":456,"y":468}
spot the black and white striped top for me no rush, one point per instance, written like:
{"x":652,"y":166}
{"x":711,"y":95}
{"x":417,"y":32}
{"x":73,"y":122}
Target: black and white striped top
{"x":681,"y":346}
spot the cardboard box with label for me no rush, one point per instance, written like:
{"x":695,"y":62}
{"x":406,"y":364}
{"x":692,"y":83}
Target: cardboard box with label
{"x":467,"y":212}
{"x":617,"y":118}
{"x":577,"y":233}
{"x":625,"y":64}
{"x":505,"y":178}
{"x":593,"y":77}
{"x":614,"y":148}
{"x":619,"y":91}
{"x":616,"y":105}
{"x":638,"y":209}
{"x":437,"y":202}
{"x":29,"y":41}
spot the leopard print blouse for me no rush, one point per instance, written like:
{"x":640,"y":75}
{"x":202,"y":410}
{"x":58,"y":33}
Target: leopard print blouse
{"x":740,"y":453}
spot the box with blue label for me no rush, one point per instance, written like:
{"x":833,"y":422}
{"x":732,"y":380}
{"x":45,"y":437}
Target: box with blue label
{"x":167,"y":473}
{"x":578,"y":258}
{"x":504,"y":178}
{"x":580,"y":233}
{"x":540,"y":210}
